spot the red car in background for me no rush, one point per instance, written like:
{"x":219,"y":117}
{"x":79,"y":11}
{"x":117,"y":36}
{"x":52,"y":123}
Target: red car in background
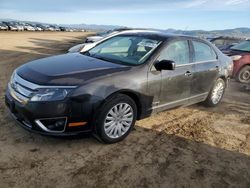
{"x":240,"y":54}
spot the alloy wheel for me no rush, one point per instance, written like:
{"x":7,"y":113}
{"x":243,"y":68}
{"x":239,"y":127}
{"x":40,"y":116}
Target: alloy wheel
{"x":217,"y":92}
{"x":118,"y":120}
{"x":245,"y":76}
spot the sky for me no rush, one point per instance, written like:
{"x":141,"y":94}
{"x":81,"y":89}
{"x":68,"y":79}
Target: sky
{"x":159,"y":14}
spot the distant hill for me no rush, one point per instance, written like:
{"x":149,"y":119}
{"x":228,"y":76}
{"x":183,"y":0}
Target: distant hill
{"x":237,"y":32}
{"x":92,"y":26}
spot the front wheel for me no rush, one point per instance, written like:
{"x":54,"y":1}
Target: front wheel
{"x":216,"y":94}
{"x":116,"y":118}
{"x":244,"y":75}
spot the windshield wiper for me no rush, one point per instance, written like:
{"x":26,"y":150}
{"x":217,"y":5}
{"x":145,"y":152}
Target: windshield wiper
{"x":102,"y":58}
{"x":86,"y":53}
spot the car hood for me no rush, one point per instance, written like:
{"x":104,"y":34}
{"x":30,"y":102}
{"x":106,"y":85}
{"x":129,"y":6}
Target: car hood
{"x":233,"y":52}
{"x":67,"y":69}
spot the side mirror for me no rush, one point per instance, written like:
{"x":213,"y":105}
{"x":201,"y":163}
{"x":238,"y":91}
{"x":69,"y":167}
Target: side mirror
{"x":165,"y":65}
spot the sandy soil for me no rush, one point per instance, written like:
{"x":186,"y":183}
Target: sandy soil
{"x":187,"y":147}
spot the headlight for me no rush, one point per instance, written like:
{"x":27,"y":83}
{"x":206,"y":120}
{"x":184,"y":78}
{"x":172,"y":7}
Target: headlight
{"x":50,"y":94}
{"x":236,"y":57}
{"x":12,"y":77}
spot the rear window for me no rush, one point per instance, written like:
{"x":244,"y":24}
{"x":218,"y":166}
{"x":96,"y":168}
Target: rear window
{"x":203,"y":52}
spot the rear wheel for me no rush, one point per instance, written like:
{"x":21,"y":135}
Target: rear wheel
{"x":116,"y":119}
{"x":216,"y":94}
{"x":244,"y":75}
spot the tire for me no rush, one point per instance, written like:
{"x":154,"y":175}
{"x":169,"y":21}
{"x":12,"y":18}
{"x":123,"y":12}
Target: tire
{"x":216,"y":94}
{"x":111,"y":125}
{"x":243,"y":75}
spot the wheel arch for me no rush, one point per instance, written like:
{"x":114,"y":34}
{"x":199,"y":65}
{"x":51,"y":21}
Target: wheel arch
{"x":224,"y":78}
{"x":245,"y":65}
{"x":133,"y":95}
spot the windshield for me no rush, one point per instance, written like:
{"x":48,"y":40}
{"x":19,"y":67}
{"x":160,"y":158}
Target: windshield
{"x":243,"y":46}
{"x":131,"y":50}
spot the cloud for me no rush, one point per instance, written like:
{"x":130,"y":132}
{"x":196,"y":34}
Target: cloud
{"x":237,"y":2}
{"x":196,"y":3}
{"x":120,"y":5}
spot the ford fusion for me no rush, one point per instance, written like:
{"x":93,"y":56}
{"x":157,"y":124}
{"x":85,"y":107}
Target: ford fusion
{"x":120,"y":80}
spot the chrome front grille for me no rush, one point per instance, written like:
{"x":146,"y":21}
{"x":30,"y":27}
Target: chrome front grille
{"x":20,"y":89}
{"x":27,"y":92}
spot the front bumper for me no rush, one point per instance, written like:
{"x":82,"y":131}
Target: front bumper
{"x":28,"y":114}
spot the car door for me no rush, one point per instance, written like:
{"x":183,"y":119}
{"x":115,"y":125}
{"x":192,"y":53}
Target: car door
{"x":206,"y":68}
{"x":175,"y":84}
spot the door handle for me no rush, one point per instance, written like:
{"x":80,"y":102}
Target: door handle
{"x":217,"y":68}
{"x":188,"y":73}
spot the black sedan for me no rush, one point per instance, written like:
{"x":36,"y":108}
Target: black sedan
{"x":120,"y":80}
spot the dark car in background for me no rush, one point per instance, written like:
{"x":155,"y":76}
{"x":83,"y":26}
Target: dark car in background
{"x":240,"y":53}
{"x":62,"y":28}
{"x":11,"y":26}
{"x":224,"y":43}
{"x":3,"y":27}
{"x":120,"y":80}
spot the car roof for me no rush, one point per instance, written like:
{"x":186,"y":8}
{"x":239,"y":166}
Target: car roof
{"x":155,"y":34}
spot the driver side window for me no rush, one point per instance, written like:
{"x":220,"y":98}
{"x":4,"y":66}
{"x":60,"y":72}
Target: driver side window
{"x":177,"y":51}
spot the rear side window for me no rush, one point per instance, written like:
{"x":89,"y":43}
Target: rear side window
{"x":203,"y":52}
{"x":176,"y":51}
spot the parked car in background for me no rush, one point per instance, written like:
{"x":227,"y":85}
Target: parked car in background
{"x":98,"y":36}
{"x":92,"y":39}
{"x":122,"y":79}
{"x":77,"y":48}
{"x":57,"y":28}
{"x":86,"y":46}
{"x":3,"y":27}
{"x":19,"y":26}
{"x":11,"y":26}
{"x":39,"y":29}
{"x":240,"y":54}
{"x":36,"y":27}
{"x":28,"y":27}
{"x":50,"y":28}
{"x":225,"y":43}
{"x":104,"y":34}
{"x":62,"y":28}
{"x":95,"y":39}
{"x":43,"y":27}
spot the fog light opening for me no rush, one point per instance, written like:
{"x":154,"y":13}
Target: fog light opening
{"x":52,"y":124}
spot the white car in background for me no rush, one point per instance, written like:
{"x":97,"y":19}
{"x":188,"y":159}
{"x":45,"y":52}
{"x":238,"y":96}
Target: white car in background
{"x":92,"y":39}
{"x":20,"y":27}
{"x":39,"y":29}
{"x":95,"y":40}
{"x":29,"y":28}
{"x":87,"y":45}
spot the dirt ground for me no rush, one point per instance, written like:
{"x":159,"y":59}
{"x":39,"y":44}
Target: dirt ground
{"x":186,"y":147}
